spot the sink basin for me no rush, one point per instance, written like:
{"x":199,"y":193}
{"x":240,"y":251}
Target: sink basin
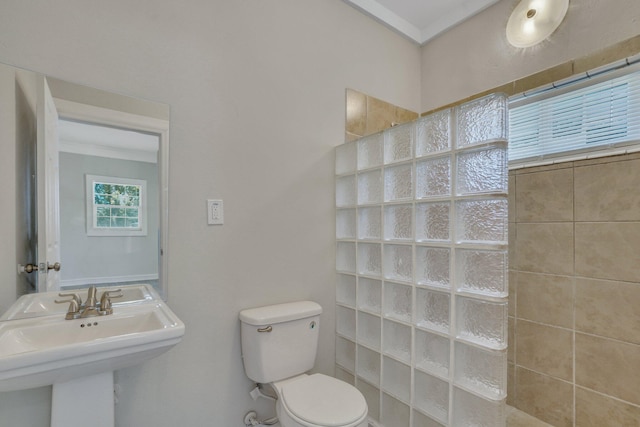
{"x":42,"y":304}
{"x":48,"y":349}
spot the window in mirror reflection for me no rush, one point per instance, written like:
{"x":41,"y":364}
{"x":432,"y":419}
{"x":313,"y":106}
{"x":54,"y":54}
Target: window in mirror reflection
{"x":116,"y":206}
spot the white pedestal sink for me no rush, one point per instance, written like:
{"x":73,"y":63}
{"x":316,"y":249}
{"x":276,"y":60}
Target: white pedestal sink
{"x":78,"y":356}
{"x":85,"y":398}
{"x":42,"y":304}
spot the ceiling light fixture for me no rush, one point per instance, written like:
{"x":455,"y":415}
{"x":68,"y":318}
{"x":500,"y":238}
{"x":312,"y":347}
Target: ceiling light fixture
{"x":532,"y":21}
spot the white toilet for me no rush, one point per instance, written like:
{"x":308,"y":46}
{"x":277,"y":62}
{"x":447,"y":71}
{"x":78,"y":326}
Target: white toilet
{"x":279,"y":344}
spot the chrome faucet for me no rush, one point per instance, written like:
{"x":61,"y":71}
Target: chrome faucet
{"x":91,"y":307}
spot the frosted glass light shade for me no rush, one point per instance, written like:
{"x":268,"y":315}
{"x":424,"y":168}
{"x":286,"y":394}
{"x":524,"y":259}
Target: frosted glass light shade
{"x":532,"y":21}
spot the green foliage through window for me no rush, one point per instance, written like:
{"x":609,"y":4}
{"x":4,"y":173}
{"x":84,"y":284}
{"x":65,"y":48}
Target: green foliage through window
{"x":116,"y":205}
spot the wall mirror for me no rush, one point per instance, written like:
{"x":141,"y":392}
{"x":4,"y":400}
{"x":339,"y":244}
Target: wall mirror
{"x":91,"y":186}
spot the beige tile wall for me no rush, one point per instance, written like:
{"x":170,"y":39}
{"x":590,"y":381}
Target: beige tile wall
{"x":366,"y":115}
{"x":574,"y":350}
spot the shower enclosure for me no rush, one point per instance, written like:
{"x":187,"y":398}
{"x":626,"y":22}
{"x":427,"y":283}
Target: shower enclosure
{"x":421,"y":260}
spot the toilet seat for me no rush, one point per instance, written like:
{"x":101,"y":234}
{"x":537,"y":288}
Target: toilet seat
{"x":320,"y":400}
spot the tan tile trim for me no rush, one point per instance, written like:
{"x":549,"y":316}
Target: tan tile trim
{"x":608,"y":159}
{"x":588,"y":62}
{"x":542,"y":168}
{"x":366,"y":115}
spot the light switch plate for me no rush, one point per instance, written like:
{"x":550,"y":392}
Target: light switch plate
{"x":215,"y":212}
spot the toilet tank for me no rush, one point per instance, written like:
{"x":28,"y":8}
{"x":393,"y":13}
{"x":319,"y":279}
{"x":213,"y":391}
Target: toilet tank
{"x":279,"y":341}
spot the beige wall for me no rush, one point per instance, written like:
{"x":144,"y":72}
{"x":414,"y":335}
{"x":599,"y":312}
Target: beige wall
{"x":8,"y":256}
{"x":475,"y":56}
{"x":574,"y":298}
{"x":256,"y":90}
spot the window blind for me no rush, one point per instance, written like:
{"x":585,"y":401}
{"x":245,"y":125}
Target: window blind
{"x":595,"y":114}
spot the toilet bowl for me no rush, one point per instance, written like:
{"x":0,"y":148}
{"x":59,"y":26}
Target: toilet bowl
{"x":319,"y":401}
{"x":279,"y":344}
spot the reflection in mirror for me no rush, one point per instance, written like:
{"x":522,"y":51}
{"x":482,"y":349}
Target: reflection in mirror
{"x":91,"y":186}
{"x":109,"y":208}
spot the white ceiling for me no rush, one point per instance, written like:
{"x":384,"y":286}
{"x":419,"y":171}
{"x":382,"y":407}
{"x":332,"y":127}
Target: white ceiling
{"x":420,"y":20}
{"x":96,"y":140}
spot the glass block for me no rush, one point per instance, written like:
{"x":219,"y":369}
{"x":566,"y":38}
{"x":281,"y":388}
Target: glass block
{"x":482,"y":120}
{"x":433,"y":266}
{"x":432,"y":222}
{"x":370,"y":223}
{"x":398,"y":262}
{"x":346,"y":191}
{"x":398,"y":183}
{"x":482,"y":322}
{"x":431,"y":395}
{"x":346,"y":289}
{"x":369,"y":259}
{"x":397,"y":340}
{"x":482,"y":171}
{"x":471,"y":410}
{"x":369,"y":294}
{"x":394,"y":412}
{"x":482,"y":220}
{"x":432,"y":310}
{"x":370,"y":187}
{"x":368,"y":366}
{"x":398,"y":222}
{"x":346,"y":354}
{"x":369,"y":330}
{"x":346,"y":322}
{"x":432,"y":353}
{"x":397,"y":302}
{"x":433,"y":178}
{"x":398,"y":143}
{"x":421,"y":420}
{"x":396,"y":379}
{"x":345,"y":224}
{"x":481,"y":371}
{"x":370,"y":151}
{"x":482,"y":272}
{"x":346,"y":257}
{"x":372,"y":396}
{"x":346,"y":158}
{"x":433,"y":133}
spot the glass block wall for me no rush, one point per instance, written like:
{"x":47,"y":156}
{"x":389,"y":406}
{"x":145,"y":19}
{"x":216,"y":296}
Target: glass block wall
{"x":421,"y":259}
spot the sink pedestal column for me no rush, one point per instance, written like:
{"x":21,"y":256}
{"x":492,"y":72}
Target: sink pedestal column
{"x":84,"y":401}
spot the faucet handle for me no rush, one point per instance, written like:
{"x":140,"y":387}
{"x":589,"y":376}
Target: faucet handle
{"x":74,"y":307}
{"x":113,"y":292}
{"x":108,"y":295}
{"x":74,"y":296}
{"x":105,"y":301}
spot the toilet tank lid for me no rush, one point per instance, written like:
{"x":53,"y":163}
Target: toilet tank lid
{"x":280,"y":313}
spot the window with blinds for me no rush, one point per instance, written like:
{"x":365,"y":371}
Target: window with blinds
{"x":592,"y":115}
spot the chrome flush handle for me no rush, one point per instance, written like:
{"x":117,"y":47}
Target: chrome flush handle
{"x":267,"y":329}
